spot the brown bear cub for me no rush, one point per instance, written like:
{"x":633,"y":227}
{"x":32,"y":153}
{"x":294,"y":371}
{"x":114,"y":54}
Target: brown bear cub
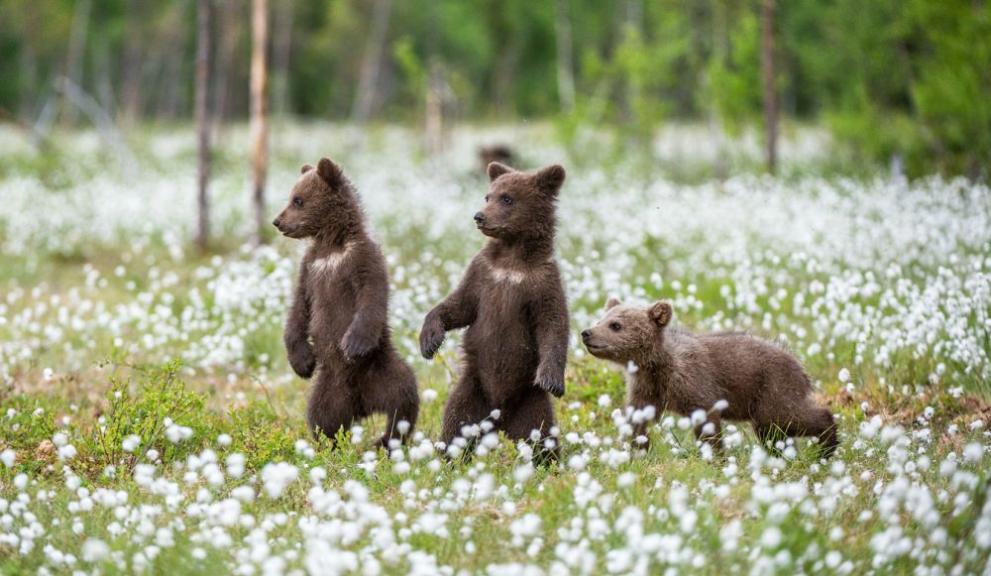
{"x":725,"y":375}
{"x":512,"y":301}
{"x":337,"y":324}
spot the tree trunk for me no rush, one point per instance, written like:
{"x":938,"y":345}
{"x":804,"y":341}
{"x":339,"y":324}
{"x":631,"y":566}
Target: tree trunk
{"x":282,"y":46}
{"x":434,"y":128}
{"x":770,"y":90}
{"x":230,"y":33}
{"x":506,"y":75}
{"x":364,"y":97}
{"x":632,"y":23}
{"x":173,"y":88}
{"x":434,"y":102}
{"x":203,"y":121}
{"x":74,"y":59}
{"x":28,"y":75}
{"x":720,"y":53}
{"x":259,"y":105}
{"x":131,"y":73}
{"x":565,"y":65}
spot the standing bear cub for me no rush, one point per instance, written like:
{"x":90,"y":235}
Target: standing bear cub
{"x":512,"y":301}
{"x":337,"y":324}
{"x":727,"y":375}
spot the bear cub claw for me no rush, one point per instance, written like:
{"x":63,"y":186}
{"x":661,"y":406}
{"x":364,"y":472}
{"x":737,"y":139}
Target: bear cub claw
{"x":431,"y":336}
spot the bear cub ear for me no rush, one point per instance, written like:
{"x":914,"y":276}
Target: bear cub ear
{"x":330,"y":173}
{"x":497,"y":169}
{"x":660,"y":313}
{"x":551,"y":178}
{"x":612,"y":303}
{"x":306,"y":168}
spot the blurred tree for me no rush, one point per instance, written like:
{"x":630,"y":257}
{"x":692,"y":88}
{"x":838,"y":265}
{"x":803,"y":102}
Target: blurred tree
{"x":259,"y":113}
{"x":203,"y":9}
{"x":371,"y":61}
{"x":281,"y":49}
{"x":74,"y":56}
{"x":770,"y":85}
{"x":905,"y":79}
{"x":565,"y":56}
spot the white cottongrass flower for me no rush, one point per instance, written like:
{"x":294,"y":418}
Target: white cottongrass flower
{"x":276,"y":477}
{"x":94,"y":550}
{"x":131,"y":443}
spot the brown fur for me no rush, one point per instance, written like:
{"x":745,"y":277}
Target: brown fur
{"x":337,"y":323}
{"x":685,"y":372}
{"x":495,"y":153}
{"x":512,"y":301}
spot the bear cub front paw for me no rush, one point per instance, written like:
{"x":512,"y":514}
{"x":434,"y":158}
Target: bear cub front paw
{"x":302,"y":360}
{"x":357,"y":343}
{"x":431,"y":335}
{"x":550,"y":380}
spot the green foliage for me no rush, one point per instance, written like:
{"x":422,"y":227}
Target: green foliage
{"x":27,"y":422}
{"x":893,"y":78}
{"x":261,"y":434}
{"x":146,"y":410}
{"x":734,"y":80}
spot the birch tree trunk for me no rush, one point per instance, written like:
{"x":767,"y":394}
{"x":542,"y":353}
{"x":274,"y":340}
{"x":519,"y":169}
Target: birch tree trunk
{"x":77,"y":48}
{"x":282,"y":46}
{"x":565,"y":65}
{"x":203,"y":122}
{"x":364,"y":97}
{"x":770,"y":90}
{"x":259,"y":111}
{"x":130,"y":107}
{"x":227,"y":30}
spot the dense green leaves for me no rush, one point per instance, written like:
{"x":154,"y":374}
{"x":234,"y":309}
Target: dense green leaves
{"x":892,"y":78}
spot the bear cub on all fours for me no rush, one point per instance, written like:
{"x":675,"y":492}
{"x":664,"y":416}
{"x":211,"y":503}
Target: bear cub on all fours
{"x":512,"y":301}
{"x":726,"y":375}
{"x":338,"y":321}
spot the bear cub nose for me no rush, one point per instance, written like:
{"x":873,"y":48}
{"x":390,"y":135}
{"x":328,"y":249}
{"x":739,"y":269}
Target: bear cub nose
{"x":276,"y":222}
{"x":479,"y":217}
{"x":586,"y":335}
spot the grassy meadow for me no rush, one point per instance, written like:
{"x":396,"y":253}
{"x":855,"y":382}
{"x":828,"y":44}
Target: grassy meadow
{"x":149,"y":421}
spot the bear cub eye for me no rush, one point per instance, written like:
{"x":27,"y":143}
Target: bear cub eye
{"x":297,"y":202}
{"x":506,"y":200}
{"x":615,"y":326}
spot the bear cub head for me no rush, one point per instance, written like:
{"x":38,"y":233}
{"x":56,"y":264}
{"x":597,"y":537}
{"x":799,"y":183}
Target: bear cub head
{"x":520,"y":205}
{"x":628,"y":333}
{"x":322,"y":202}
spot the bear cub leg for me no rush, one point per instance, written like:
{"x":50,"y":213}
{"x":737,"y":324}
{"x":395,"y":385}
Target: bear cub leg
{"x":396,"y":396}
{"x":333,"y":406}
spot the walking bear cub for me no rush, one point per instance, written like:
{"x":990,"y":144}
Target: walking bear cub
{"x":337,"y":324}
{"x":684,"y":372}
{"x":512,"y":301}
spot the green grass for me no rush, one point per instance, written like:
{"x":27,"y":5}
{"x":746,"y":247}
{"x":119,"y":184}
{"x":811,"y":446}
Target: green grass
{"x":602,"y":507}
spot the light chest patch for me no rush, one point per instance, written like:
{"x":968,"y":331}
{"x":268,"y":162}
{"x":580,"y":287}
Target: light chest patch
{"x":330,"y":263}
{"x":507,"y":275}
